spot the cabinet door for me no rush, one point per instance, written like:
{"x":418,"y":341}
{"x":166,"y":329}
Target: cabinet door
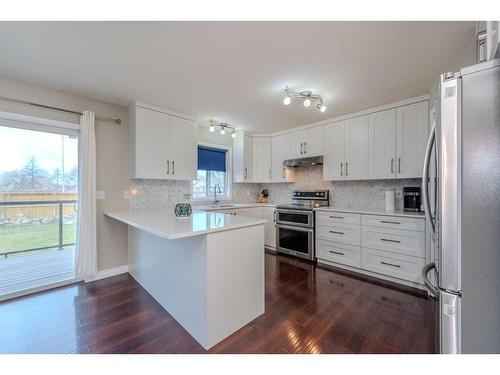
{"x":313,"y":141}
{"x":248,"y":159}
{"x":334,"y":158}
{"x":297,"y":145}
{"x":356,"y":148}
{"x":280,"y":153}
{"x":269,"y":227}
{"x":382,"y":144}
{"x":412,"y":132}
{"x":262,"y":159}
{"x":183,"y":145}
{"x":242,"y":158}
{"x":152,"y":133}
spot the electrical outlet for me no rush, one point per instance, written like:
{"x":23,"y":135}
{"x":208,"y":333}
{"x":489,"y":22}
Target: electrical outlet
{"x":399,"y":194}
{"x":126,"y":195}
{"x":100,"y":195}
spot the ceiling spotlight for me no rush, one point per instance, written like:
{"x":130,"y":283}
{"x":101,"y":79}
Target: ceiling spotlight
{"x":287,"y":100}
{"x":233,"y":134}
{"x":308,"y":97}
{"x":322,"y":108}
{"x":307,"y":102}
{"x":222,"y":131}
{"x":212,"y":128}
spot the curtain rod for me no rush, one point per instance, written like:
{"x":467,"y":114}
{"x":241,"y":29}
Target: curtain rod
{"x":103,"y":118}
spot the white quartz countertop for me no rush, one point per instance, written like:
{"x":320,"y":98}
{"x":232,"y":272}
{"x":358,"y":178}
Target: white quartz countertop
{"x":372,"y":211}
{"x":232,"y":206}
{"x":163,"y":223}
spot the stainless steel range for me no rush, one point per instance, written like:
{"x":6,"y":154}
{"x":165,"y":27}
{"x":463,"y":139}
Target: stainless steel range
{"x":295,"y":223}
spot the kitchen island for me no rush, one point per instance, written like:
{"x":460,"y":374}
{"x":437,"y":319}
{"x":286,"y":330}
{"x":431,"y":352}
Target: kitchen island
{"x":206,"y":270}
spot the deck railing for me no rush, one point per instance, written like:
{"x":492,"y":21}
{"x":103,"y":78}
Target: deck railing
{"x":22,"y":220}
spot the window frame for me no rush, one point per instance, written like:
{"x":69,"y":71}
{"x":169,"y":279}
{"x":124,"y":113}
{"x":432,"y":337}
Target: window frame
{"x":229,"y":174}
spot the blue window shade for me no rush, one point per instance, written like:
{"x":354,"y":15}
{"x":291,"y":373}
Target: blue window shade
{"x":211,"y":159}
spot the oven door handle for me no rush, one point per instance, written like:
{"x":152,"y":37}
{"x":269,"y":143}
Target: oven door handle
{"x":298,"y":229}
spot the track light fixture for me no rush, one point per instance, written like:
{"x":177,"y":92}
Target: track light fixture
{"x":308,"y":96}
{"x":223,"y":128}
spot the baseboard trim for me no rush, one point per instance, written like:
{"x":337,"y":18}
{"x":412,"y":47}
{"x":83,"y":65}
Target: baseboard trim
{"x":109,"y":272}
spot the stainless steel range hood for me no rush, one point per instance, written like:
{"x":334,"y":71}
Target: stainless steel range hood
{"x":304,"y":162}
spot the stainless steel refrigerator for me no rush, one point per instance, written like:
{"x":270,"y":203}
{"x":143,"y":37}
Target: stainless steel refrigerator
{"x":462,"y":206}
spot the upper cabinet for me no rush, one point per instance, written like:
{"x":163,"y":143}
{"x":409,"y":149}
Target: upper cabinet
{"x":306,"y":143}
{"x":382,"y":144}
{"x":412,"y":122}
{"x":163,"y":146}
{"x":356,"y":148}
{"x":334,"y":157}
{"x":242,"y":158}
{"x":280,"y":149}
{"x":262,"y":159}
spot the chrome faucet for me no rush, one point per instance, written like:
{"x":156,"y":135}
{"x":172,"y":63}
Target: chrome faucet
{"x":216,"y":187}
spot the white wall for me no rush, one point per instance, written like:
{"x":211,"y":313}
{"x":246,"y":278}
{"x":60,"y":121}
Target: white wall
{"x":112,"y":156}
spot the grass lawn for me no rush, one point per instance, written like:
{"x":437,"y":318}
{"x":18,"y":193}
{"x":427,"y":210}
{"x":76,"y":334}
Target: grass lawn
{"x":23,"y":237}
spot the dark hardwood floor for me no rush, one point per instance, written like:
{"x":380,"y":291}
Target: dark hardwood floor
{"x":308,"y":310}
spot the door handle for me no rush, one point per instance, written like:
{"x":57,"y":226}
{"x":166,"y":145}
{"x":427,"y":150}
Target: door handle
{"x":305,"y":147}
{"x":341,"y":164}
{"x":334,"y":232}
{"x":246,"y":174}
{"x":346,"y":170}
{"x":388,"y":240}
{"x":425,"y":271}
{"x":425,"y":178}
{"x":168,"y":166}
{"x":399,"y":165}
{"x":391,"y":264}
{"x":389,"y":222}
{"x":301,"y":144}
{"x":173,"y":167}
{"x":392,"y":166}
{"x":336,"y":217}
{"x":336,"y":252}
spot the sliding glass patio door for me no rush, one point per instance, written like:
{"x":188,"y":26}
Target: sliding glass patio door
{"x":38,"y":207}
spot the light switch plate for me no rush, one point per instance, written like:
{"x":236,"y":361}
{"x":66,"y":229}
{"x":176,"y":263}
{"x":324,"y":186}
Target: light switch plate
{"x":100,"y":195}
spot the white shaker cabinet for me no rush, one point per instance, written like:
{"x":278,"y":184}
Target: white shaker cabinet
{"x":242,"y":158}
{"x":280,"y":152}
{"x":382,"y":144}
{"x":334,"y":156}
{"x":307,"y":143}
{"x":356,"y":148}
{"x":163,"y":146}
{"x":262,"y":159}
{"x":412,"y":122}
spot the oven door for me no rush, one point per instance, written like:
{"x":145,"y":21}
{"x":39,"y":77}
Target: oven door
{"x":295,"y":218}
{"x":297,"y":241}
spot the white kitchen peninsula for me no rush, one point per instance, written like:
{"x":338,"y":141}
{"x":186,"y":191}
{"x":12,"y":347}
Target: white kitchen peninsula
{"x":207,"y":270}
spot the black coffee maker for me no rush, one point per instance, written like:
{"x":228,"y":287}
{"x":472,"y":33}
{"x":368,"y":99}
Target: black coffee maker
{"x":411,"y":196}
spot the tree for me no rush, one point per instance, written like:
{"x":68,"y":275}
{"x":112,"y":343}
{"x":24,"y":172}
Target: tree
{"x":32,"y":176}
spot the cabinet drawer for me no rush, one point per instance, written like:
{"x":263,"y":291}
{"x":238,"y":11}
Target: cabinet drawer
{"x":396,"y":265}
{"x":405,"y":242}
{"x":344,"y":233}
{"x":337,"y":217}
{"x":393,"y":222}
{"x":339,"y":253}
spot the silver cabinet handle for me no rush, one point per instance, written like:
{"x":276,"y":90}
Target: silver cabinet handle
{"x":346,"y":170}
{"x":388,"y":240}
{"x":305,"y":147}
{"x":274,"y":216}
{"x":173,"y":167}
{"x":332,"y":231}
{"x":168,"y":166}
{"x":389,"y":222}
{"x":301,"y":144}
{"x":246,"y":174}
{"x":399,"y":165}
{"x":284,"y":173}
{"x":336,"y":252}
{"x":336,"y":217}
{"x":341,"y":164}
{"x":391,"y":264}
{"x":392,"y":166}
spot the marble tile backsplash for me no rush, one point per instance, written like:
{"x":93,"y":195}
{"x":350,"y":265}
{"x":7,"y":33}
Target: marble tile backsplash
{"x":348,"y":194}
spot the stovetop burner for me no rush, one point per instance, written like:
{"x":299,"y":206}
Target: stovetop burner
{"x":307,"y":200}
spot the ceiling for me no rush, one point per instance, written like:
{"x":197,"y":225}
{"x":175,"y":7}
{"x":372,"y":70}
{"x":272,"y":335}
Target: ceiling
{"x":236,"y":72}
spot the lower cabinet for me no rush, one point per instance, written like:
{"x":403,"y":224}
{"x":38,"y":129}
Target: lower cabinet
{"x":390,"y":247}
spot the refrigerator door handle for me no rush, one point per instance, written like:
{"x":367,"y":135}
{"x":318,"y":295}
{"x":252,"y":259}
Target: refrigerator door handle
{"x":425,"y":271}
{"x":425,"y":179}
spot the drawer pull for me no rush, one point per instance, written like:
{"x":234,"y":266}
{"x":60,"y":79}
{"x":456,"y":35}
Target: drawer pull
{"x":332,"y":231}
{"x":391,"y":264}
{"x":336,"y":252}
{"x":388,"y":240}
{"x":389,"y":222}
{"x":336,"y":217}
